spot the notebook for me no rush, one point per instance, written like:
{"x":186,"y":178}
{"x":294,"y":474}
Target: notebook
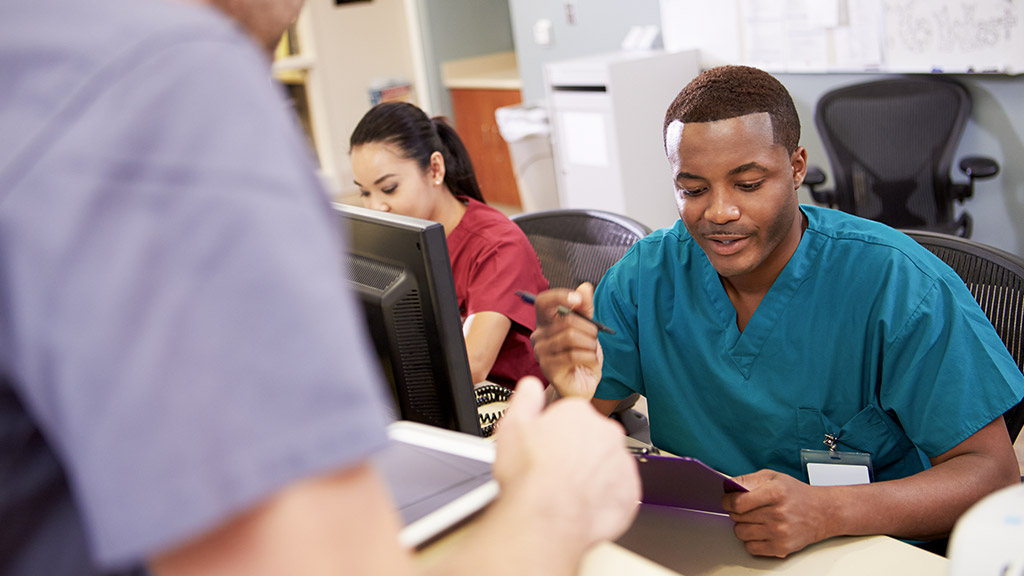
{"x":438,"y":478}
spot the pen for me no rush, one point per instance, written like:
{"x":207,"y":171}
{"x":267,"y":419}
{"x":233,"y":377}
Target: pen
{"x":532,"y":299}
{"x":644,"y":450}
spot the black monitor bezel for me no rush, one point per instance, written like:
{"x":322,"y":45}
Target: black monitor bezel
{"x":420,"y":248}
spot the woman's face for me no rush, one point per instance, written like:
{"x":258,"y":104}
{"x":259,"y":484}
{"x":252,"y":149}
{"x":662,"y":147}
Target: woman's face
{"x":389,"y":182}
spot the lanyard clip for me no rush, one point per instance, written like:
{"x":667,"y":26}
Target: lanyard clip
{"x":831,"y":440}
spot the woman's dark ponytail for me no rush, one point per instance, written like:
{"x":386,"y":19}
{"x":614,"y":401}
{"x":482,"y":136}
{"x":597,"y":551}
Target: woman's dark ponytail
{"x":403,"y":125}
{"x":458,"y":169}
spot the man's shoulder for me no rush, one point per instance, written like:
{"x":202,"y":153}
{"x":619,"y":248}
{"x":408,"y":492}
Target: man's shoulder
{"x":673,"y":243}
{"x":854,"y":239}
{"x":664,"y":257}
{"x":56,"y":56}
{"x":99,"y":30}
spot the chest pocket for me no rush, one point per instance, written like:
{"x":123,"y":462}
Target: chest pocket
{"x":893,"y":455}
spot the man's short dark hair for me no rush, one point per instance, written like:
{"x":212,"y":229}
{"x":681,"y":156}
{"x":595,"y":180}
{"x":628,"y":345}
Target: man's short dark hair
{"x":731,"y":91}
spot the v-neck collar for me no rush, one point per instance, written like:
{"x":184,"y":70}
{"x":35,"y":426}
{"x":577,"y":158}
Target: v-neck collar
{"x":745,"y":346}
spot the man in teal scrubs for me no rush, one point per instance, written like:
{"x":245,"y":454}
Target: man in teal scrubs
{"x":757,"y":327}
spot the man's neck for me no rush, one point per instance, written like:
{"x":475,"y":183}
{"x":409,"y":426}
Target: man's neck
{"x":746,"y":292}
{"x":744,"y":301}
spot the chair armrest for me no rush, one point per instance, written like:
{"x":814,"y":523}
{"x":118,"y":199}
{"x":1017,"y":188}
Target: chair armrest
{"x":979,"y":167}
{"x":814,"y":178}
{"x":974,"y":167}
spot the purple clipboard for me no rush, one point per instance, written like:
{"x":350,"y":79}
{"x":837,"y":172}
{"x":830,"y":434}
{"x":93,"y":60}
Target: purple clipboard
{"x":683,"y":483}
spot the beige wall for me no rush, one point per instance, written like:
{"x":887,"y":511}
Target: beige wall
{"x":353,"y":45}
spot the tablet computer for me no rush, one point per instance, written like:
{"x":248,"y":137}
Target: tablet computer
{"x":437,"y":477}
{"x":683,"y":483}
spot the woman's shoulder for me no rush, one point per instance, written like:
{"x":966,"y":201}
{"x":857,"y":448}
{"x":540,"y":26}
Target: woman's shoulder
{"x":482,"y":219}
{"x":483,"y":211}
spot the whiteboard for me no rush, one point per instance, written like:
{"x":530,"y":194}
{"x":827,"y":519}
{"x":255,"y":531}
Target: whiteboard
{"x":850,"y":35}
{"x":954,"y":35}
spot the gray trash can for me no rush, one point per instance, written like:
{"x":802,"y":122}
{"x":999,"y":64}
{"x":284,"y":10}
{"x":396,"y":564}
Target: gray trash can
{"x":528,"y":134}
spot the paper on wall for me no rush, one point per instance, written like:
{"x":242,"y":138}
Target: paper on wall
{"x":586,"y":139}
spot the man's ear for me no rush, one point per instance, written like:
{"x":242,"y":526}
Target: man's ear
{"x":799,"y":162}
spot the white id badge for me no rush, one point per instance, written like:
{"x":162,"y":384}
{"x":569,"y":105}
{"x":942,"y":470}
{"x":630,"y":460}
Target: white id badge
{"x":835,"y":468}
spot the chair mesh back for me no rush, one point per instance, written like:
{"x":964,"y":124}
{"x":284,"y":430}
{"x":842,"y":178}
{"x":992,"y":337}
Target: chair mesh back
{"x":576,"y":246}
{"x":891,"y":143}
{"x":996,"y":279}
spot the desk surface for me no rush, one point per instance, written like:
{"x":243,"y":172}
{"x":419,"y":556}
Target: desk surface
{"x":667,"y":541}
{"x":696,"y":543}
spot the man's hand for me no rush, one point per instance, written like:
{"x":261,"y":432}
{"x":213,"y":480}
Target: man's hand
{"x":566,"y":346}
{"x":779,"y":515}
{"x":567,"y":469}
{"x":567,"y":483}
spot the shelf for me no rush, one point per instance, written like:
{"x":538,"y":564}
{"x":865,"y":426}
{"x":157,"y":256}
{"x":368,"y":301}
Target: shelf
{"x":490,"y":72}
{"x":292,"y":63}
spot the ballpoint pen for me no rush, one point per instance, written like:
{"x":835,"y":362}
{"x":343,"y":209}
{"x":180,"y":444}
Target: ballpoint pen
{"x":532,"y":299}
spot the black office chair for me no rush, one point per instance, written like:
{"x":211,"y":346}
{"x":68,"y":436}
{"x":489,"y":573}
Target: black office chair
{"x":890,"y":143}
{"x":576,"y":246}
{"x":996,"y":279}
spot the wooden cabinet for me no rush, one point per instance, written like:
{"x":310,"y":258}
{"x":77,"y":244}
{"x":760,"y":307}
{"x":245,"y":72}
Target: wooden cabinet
{"x":474,"y":121}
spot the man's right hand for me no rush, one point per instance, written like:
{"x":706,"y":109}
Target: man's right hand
{"x":566,"y":477}
{"x":566,"y":346}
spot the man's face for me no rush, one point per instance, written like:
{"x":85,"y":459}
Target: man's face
{"x":264,"y":20}
{"x":736,"y":194}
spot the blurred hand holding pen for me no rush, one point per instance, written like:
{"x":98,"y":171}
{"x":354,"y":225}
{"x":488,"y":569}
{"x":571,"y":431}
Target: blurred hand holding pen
{"x":532,"y":299}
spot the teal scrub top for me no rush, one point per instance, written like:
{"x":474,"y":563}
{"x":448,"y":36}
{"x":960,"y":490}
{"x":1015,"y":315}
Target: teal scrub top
{"x":864,"y":334}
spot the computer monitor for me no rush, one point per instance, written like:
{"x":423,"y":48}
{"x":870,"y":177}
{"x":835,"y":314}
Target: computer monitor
{"x":400,"y":268}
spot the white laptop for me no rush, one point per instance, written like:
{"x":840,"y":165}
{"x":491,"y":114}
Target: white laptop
{"x":437,"y":477}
